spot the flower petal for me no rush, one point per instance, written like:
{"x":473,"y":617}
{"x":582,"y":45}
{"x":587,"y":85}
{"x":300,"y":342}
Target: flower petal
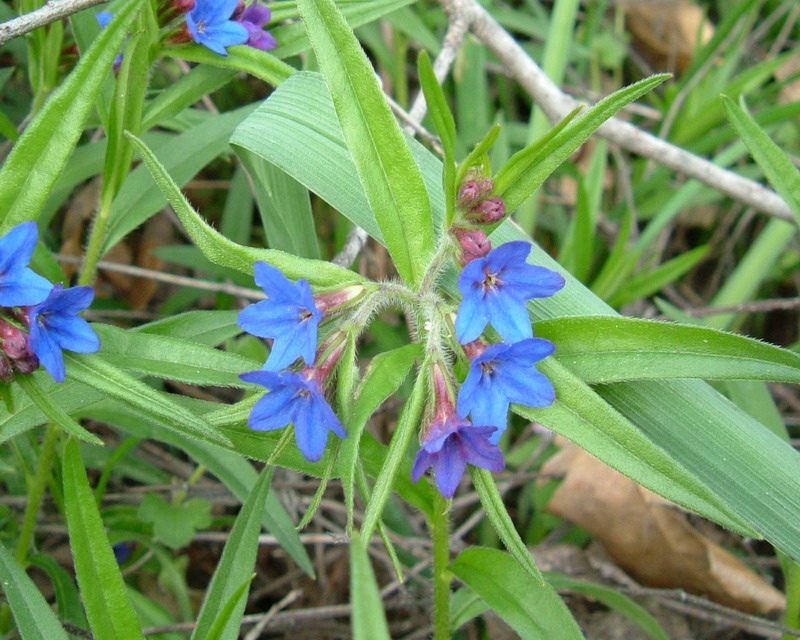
{"x":276,"y":285}
{"x":16,"y":247}
{"x":471,"y":318}
{"x":509,"y":317}
{"x":448,"y":467}
{"x":73,"y":333}
{"x":421,"y":464}
{"x":23,"y":288}
{"x":480,"y":451}
{"x":48,"y":352}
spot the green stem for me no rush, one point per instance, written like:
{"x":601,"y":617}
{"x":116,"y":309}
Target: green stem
{"x":792,"y":616}
{"x":396,"y":455}
{"x":95,"y":246}
{"x":35,"y":492}
{"x":440,"y":532}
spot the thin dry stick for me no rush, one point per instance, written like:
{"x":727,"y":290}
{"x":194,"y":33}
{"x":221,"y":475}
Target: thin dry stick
{"x":50,"y":12}
{"x":557,"y":104}
{"x":453,"y":38}
{"x":184,"y":281}
{"x":288,"y":599}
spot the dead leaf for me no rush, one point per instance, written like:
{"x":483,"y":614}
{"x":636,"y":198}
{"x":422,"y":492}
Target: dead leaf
{"x":666,"y":32}
{"x":157,"y":232}
{"x":650,"y":538}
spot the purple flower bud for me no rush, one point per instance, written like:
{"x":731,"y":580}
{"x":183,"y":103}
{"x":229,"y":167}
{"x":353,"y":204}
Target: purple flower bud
{"x":469,"y":195}
{"x":489,"y":211}
{"x":473,"y":243}
{"x":13,"y":341}
{"x":6,"y":370}
{"x":333,"y":300}
{"x":485,"y":185}
{"x":28,"y":363}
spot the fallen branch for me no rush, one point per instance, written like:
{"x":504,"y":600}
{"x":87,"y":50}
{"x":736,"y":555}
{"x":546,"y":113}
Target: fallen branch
{"x":51,"y":11}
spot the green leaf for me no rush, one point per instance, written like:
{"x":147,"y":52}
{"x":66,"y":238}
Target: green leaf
{"x":585,"y":418}
{"x":387,"y":170}
{"x":174,"y":524}
{"x":395,"y":456}
{"x":188,"y":89}
{"x":533,"y":609}
{"x":182,"y":156}
{"x":445,"y":126}
{"x":257,"y":63}
{"x":612,"y":599}
{"x":93,"y":371}
{"x":284,"y":205}
{"x":646,"y":284}
{"x":53,"y":411}
{"x":204,"y":327}
{"x":776,"y":165}
{"x":222,"y":251}
{"x":498,"y":515}
{"x":34,"y":618}
{"x":603,"y":349}
{"x":172,"y":358}
{"x":385,"y":375}
{"x":35,"y":162}
{"x":68,"y":599}
{"x":369,"y":620}
{"x":236,"y":564}
{"x":527,"y":169}
{"x":107,"y":606}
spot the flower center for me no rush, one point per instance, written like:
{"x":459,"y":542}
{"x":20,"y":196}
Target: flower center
{"x":490,"y":281}
{"x":201,"y":26}
{"x":487,"y":368}
{"x":304,"y":315}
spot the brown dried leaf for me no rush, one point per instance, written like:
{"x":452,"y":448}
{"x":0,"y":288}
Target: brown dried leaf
{"x":666,"y":31}
{"x":650,"y":538}
{"x":157,"y":232}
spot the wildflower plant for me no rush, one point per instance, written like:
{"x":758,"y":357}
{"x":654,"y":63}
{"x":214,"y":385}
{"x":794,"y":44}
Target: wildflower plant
{"x":498,"y":335}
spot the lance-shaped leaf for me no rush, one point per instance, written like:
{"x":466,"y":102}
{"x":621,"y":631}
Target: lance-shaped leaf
{"x":603,"y":349}
{"x":227,"y":253}
{"x":533,"y":609}
{"x":33,"y":616}
{"x":388,"y":173}
{"x":110,"y":613}
{"x":36,"y":161}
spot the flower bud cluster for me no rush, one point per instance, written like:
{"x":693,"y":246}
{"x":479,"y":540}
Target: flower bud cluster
{"x":477,"y":207}
{"x":37,"y":318}
{"x":296,"y":370}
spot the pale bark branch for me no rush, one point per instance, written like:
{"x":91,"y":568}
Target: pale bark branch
{"x":51,"y":11}
{"x":556,"y":104}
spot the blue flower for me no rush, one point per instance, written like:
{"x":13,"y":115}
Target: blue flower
{"x":495,"y":289}
{"x":452,"y":443}
{"x":210,"y":25}
{"x":295,"y":398}
{"x":18,"y":284}
{"x":253,"y":18}
{"x":55,"y":325}
{"x":288,"y":316}
{"x":503,"y":374}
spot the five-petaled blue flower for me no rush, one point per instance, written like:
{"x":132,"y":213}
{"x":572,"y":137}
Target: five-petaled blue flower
{"x":502,"y":374}
{"x":253,"y":18}
{"x":289,"y":316}
{"x":295,"y":398}
{"x":18,"y":284}
{"x":55,"y":325}
{"x":210,"y":25}
{"x":495,"y":289}
{"x":450,"y":444}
